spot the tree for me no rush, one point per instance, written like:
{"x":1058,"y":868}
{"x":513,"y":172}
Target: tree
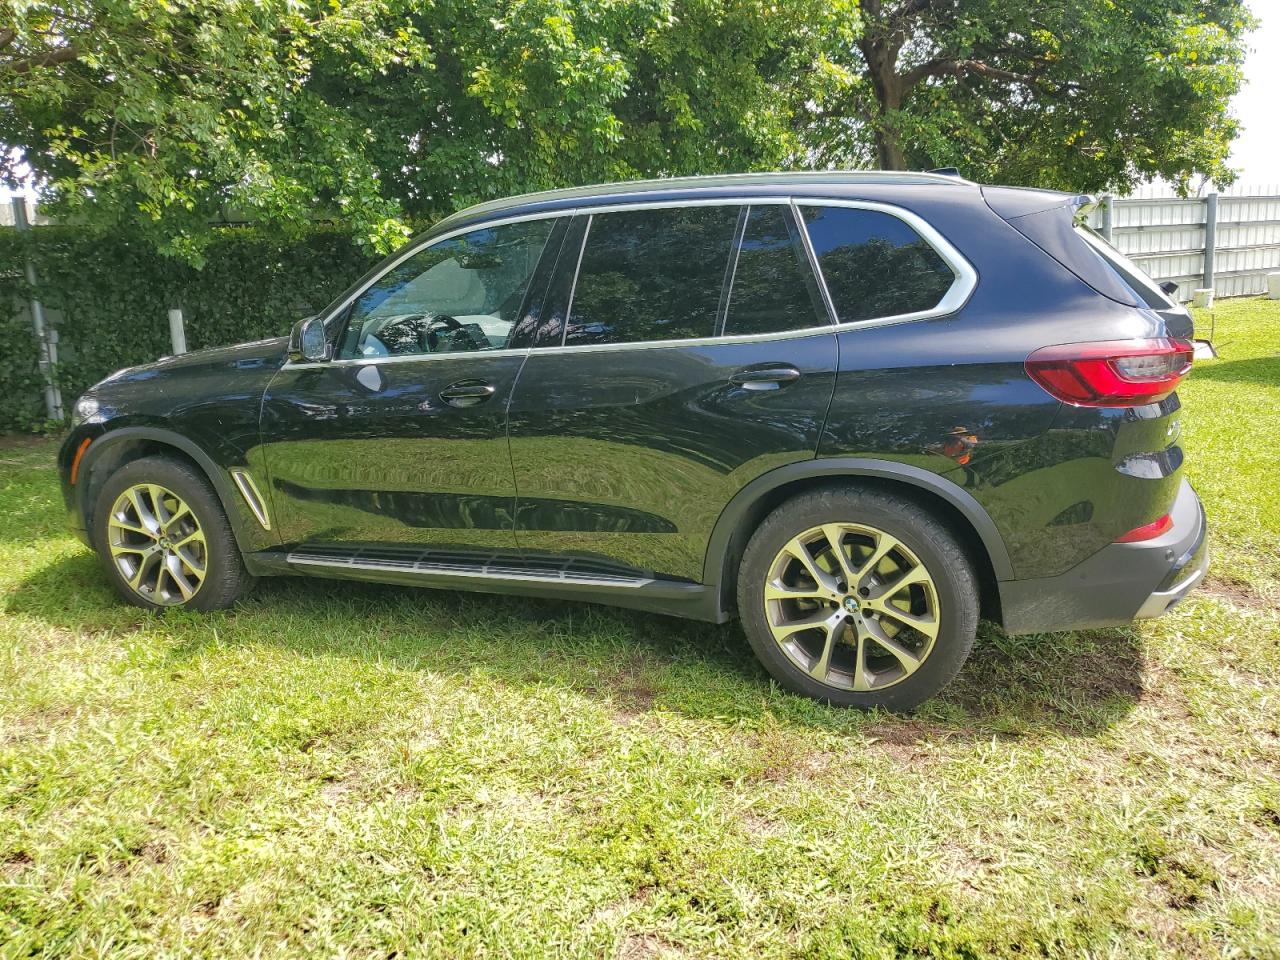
{"x":1079,"y":94}
{"x":382,"y":113}
{"x":156,"y":116}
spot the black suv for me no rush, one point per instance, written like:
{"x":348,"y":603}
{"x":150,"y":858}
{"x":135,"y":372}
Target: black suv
{"x":859,"y":410}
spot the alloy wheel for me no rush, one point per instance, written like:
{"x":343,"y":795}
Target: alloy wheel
{"x":157,"y":545}
{"x":852,"y":606}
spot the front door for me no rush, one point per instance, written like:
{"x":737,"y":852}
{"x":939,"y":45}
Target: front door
{"x":692,"y":354}
{"x":401,"y":438}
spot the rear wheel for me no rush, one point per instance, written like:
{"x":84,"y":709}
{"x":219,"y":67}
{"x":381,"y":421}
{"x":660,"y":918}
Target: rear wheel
{"x":164,"y":539}
{"x":859,"y":598}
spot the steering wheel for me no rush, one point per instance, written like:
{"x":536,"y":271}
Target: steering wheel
{"x":439,"y":321}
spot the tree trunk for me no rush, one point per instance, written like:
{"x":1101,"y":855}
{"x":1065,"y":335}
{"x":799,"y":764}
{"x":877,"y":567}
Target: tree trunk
{"x":881,"y":56}
{"x":889,"y":149}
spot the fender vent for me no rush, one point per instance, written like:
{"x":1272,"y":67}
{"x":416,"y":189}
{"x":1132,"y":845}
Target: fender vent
{"x":249,"y":490}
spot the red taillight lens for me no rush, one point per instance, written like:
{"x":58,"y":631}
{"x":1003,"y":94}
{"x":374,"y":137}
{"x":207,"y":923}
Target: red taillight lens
{"x":1112,"y":373}
{"x":1148,"y":531}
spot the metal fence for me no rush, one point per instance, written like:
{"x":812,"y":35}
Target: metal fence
{"x":1227,"y":242}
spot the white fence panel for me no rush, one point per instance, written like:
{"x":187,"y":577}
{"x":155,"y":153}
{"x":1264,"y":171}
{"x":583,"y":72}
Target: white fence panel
{"x":1180,"y":240}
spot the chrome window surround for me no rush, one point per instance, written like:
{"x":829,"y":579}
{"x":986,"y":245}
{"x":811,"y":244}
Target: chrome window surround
{"x":966,"y":277}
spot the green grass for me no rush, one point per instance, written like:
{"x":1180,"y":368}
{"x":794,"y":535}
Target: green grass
{"x":347,"y":770}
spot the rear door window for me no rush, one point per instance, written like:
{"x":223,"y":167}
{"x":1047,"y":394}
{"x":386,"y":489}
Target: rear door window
{"x":875,"y":264}
{"x":651,"y":275}
{"x":772,"y":288}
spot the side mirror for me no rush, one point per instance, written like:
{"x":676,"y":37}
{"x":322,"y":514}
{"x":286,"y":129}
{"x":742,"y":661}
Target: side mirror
{"x":1169,"y":287}
{"x":308,"y":342}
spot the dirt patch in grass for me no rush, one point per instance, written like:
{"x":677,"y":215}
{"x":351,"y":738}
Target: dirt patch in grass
{"x":1238,"y":593}
{"x":647,"y":946}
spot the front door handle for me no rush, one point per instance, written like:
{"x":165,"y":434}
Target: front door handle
{"x":764,"y":378}
{"x":467,"y":393}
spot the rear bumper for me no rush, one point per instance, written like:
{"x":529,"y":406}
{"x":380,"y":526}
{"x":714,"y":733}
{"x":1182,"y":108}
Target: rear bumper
{"x":1120,"y":583}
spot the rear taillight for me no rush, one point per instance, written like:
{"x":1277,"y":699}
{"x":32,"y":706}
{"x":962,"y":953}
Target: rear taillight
{"x":1148,"y":531}
{"x":1112,"y":373}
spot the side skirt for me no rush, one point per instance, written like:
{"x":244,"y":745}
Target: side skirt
{"x":547,"y":578}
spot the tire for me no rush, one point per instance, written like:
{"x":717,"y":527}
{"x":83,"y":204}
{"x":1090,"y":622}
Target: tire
{"x":882,"y":654}
{"x":126,"y":543}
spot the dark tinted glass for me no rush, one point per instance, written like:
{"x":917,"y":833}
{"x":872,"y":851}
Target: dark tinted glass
{"x":651,"y":275}
{"x":875,"y":265}
{"x":772,"y":286}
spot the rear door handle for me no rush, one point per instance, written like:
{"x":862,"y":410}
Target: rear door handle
{"x":764,"y":378}
{"x":467,"y":393}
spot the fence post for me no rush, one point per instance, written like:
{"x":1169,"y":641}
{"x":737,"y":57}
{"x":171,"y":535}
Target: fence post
{"x":1106,"y":217}
{"x":177,"y":335}
{"x":46,"y":339}
{"x":1210,"y":237}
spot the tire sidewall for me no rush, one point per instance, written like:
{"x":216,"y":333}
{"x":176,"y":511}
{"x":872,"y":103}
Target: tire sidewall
{"x":921,"y":533}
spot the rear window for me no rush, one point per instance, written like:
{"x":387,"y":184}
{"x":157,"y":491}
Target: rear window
{"x":772,"y":287}
{"x":875,"y":264}
{"x":1129,"y":272}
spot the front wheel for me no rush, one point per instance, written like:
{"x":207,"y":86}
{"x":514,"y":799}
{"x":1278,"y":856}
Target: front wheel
{"x":164,"y":539}
{"x":858,"y":598}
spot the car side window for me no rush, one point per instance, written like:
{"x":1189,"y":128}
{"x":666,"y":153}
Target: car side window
{"x":461,"y":294}
{"x":772,"y":288}
{"x":651,"y":275}
{"x":875,"y":264}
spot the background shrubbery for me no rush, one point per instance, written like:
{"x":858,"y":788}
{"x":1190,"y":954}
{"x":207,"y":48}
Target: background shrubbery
{"x":112,"y":296}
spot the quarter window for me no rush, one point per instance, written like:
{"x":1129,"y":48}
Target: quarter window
{"x":462,"y":294}
{"x":773,"y":289}
{"x":651,"y":275}
{"x":875,"y":264}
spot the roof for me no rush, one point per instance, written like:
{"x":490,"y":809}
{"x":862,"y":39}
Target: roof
{"x":637,"y":189}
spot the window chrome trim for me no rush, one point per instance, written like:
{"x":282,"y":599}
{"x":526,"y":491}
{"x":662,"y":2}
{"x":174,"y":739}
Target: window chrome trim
{"x":957,"y":295}
{"x":962,"y":287}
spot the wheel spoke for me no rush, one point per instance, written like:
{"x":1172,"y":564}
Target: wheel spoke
{"x":145,"y":564}
{"x":834,"y":625}
{"x":817,"y":621}
{"x":862,"y":677}
{"x":916,"y":574}
{"x":800,"y":552}
{"x":145,"y":515}
{"x":189,"y":563}
{"x":906,"y":657}
{"x":884,"y":546}
{"x":182,"y":511}
{"x":777,"y":590}
{"x":835,"y":536}
{"x":928,"y":625}
{"x":173,"y":566}
{"x":120,"y":523}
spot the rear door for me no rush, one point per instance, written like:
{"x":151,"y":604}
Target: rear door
{"x":685,"y":351}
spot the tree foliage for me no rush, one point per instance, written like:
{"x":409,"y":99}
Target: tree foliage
{"x":1077,"y":94}
{"x":161,"y":115}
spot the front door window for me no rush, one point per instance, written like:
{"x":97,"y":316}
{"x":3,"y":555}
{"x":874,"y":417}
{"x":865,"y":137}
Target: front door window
{"x":458,"y":295}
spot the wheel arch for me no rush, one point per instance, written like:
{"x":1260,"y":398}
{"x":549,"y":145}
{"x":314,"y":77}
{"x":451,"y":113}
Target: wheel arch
{"x":116,"y":448}
{"x":948,"y":501}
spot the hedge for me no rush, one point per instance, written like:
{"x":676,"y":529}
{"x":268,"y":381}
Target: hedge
{"x":111,"y":298}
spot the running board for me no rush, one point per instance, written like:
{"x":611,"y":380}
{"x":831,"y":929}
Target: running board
{"x":546,"y":577}
{"x":442,"y":563}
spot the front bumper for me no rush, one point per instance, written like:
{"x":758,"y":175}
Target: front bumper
{"x":1120,"y":583}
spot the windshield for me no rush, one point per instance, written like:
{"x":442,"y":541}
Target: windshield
{"x":1128,"y":271}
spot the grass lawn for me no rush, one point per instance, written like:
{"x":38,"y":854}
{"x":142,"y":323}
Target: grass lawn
{"x":349,"y":770}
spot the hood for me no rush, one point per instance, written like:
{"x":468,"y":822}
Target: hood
{"x":255,"y":355}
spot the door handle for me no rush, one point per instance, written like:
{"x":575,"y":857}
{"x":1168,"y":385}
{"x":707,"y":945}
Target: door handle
{"x":467,"y":393}
{"x":764,"y":378}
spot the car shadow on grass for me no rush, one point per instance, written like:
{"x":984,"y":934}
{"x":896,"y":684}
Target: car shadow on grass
{"x":1256,"y":370}
{"x":1046,"y":686}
